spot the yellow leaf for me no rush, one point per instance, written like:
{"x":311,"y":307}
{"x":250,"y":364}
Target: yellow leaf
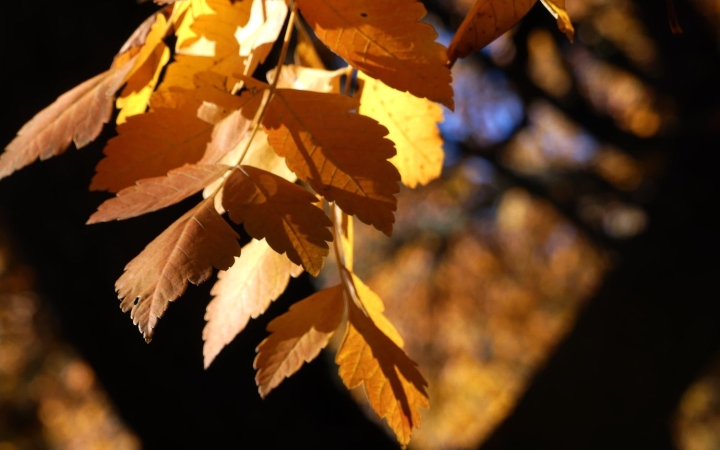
{"x":142,"y":80}
{"x":485,"y":22}
{"x":557,"y":9}
{"x":307,"y":79}
{"x":374,"y":307}
{"x":394,"y":386}
{"x":412,"y":123}
{"x":208,"y":27}
{"x":297,"y":337}
{"x":385,"y":40}
{"x":341,"y":154}
{"x":186,"y":251}
{"x":150,"y":145}
{"x":281,"y":212}
{"x":244,"y":291}
{"x":151,"y":194}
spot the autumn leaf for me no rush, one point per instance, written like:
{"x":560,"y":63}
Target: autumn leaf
{"x":244,"y":291}
{"x":297,"y":337}
{"x":208,"y":27}
{"x":143,"y":78}
{"x":385,"y":40}
{"x":283,"y":213}
{"x":307,"y":79}
{"x":485,"y":22}
{"x":374,"y":307}
{"x":76,"y":116}
{"x":185,"y":251}
{"x":412,"y":123}
{"x":151,"y":194}
{"x":343,"y":155}
{"x":150,"y":145}
{"x":557,"y":9}
{"x":394,"y":386}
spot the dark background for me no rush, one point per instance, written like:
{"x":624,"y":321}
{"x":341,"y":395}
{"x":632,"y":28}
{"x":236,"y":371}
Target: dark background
{"x":613,"y":383}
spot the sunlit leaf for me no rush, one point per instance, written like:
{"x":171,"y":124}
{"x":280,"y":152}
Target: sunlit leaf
{"x":185,"y":251}
{"x":244,"y":291}
{"x":297,"y":337}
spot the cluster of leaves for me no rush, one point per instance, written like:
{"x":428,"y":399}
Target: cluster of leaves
{"x":192,"y":118}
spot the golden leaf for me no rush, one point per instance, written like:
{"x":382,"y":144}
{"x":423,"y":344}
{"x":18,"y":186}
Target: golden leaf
{"x":244,"y":291}
{"x":150,"y":145}
{"x":394,"y":386}
{"x":385,"y":40}
{"x":374,"y":307}
{"x":185,"y":251}
{"x":141,"y":81}
{"x":297,"y":337}
{"x":151,"y":194}
{"x":412,"y":123}
{"x":343,"y":155}
{"x":485,"y":22}
{"x":281,"y":212}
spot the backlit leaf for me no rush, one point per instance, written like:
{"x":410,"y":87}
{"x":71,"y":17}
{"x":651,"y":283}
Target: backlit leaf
{"x":297,"y":337}
{"x":244,"y":291}
{"x":151,"y":194}
{"x":150,"y":145}
{"x":412,"y":123}
{"x":385,"y":40}
{"x":281,"y":212}
{"x":393,"y":384}
{"x":485,"y":22}
{"x":343,"y":155}
{"x":141,"y":81}
{"x":185,"y":251}
{"x":76,"y":116}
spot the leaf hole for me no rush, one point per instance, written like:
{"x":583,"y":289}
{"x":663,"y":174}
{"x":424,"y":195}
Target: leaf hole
{"x":363,"y":14}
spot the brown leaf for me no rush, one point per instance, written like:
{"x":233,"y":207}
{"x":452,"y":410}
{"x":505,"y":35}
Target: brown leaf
{"x":185,"y":251}
{"x":281,"y":212}
{"x":297,"y":337}
{"x":385,"y":40}
{"x":151,"y":194}
{"x":412,"y":123}
{"x":150,"y":145}
{"x":394,"y":386}
{"x":485,"y":22}
{"x":343,"y":155}
{"x":76,"y":116}
{"x":244,"y":291}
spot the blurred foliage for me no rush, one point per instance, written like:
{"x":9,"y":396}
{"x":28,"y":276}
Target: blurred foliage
{"x":697,"y":424}
{"x":49,"y":397}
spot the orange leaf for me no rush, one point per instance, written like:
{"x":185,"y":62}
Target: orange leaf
{"x":150,"y":145}
{"x":185,"y":251}
{"x":485,"y":22}
{"x":374,"y":307}
{"x":244,"y":291}
{"x":151,"y":194}
{"x":343,"y":155}
{"x":76,"y":116}
{"x":385,"y":40}
{"x":394,"y":386}
{"x":275,"y":209}
{"x":412,"y":123}
{"x":297,"y":337}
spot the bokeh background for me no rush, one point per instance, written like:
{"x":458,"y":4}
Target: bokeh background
{"x":558,"y":285}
